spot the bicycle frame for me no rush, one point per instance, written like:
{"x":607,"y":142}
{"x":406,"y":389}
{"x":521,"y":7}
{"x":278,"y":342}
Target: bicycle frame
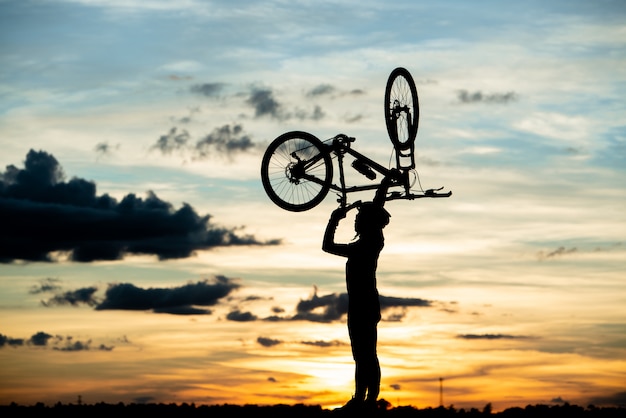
{"x":399,"y":176}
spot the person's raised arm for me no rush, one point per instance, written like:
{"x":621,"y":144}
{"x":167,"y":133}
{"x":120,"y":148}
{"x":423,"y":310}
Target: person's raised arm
{"x":381,"y":192}
{"x":329,"y":245}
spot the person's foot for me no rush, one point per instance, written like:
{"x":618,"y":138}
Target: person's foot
{"x":370,"y":405}
{"x":353,"y":404}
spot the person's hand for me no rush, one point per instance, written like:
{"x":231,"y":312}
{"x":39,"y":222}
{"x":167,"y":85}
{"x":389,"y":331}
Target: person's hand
{"x":393,"y":175}
{"x":338,"y":213}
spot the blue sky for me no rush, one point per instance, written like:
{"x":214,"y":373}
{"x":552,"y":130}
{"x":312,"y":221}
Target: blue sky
{"x":522,"y":117}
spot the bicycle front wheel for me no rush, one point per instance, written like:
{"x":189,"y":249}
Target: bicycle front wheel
{"x":401,"y":108}
{"x":296,"y":171}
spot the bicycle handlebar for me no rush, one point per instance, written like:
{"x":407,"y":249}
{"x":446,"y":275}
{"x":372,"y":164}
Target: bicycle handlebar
{"x":410,"y":196}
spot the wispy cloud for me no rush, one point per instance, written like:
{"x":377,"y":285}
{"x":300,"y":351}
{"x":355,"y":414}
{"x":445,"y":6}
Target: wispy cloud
{"x":224,"y":141}
{"x":207,"y":89}
{"x":49,"y":284}
{"x":104,"y":149}
{"x":174,"y":140}
{"x":76,"y":297}
{"x":42,"y":339}
{"x":321,"y":90}
{"x":465,"y":96}
{"x":492,"y":337}
{"x":559,"y":252}
{"x":262,"y":100}
{"x":323,"y":343}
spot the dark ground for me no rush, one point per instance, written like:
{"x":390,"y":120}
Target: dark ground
{"x":121,"y":410}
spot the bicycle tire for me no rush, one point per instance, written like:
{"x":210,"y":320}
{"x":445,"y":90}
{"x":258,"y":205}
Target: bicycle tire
{"x":283,"y":174}
{"x":401,"y":108}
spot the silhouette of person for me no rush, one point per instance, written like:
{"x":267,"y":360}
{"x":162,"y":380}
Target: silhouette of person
{"x":363,"y":302}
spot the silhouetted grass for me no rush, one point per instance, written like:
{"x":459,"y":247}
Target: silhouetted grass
{"x":121,"y":410}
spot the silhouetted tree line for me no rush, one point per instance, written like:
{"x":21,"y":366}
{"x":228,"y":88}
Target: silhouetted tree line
{"x":121,"y":410}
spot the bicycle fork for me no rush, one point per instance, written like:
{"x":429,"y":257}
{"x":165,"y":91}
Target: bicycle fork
{"x":342,"y":181}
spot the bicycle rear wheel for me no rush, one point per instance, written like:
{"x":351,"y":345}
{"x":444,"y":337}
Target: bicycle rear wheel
{"x":401,"y":109}
{"x":296,"y":171}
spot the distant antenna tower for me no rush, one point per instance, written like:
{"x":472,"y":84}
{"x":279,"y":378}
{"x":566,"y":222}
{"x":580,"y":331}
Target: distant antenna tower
{"x":441,"y":391}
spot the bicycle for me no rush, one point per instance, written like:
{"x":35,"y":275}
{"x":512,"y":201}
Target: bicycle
{"x":297,"y":167}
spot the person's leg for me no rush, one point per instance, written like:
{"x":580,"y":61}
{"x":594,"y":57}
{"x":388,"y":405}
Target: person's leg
{"x":373,"y":366}
{"x":363,"y":337}
{"x":373,"y":379}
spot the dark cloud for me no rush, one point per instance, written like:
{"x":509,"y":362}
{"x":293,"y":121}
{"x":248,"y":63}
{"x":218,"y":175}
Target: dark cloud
{"x":226,"y":140}
{"x":491,"y":337}
{"x":40,"y":339}
{"x":70,"y":344}
{"x":40,"y":213}
{"x":616,"y":399}
{"x":333,"y":307}
{"x":13,"y":342}
{"x":74,"y":346}
{"x":394,"y":302}
{"x":264,"y":104}
{"x":144,"y":399}
{"x":182,"y":310}
{"x":46,"y":285}
{"x":207,"y":89}
{"x":74,"y":297}
{"x":177,"y":300}
{"x":479,"y":97}
{"x":268,"y":342}
{"x":395,"y":386}
{"x":239,"y":316}
{"x":271,"y":379}
{"x":172,"y":141}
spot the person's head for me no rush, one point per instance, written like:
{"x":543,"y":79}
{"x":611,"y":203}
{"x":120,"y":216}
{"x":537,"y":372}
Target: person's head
{"x":371,"y":218}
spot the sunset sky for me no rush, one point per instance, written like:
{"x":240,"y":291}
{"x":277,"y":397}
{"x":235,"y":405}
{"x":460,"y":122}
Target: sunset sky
{"x":141,"y":260}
